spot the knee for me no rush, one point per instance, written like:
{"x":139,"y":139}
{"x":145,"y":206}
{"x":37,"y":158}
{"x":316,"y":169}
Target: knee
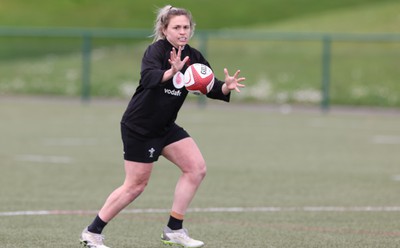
{"x":203,"y":170}
{"x":133,"y":190}
{"x":199,"y":171}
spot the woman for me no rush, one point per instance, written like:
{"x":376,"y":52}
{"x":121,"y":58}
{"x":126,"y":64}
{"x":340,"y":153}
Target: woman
{"x":149,"y":130}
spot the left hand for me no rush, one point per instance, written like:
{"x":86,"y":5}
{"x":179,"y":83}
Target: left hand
{"x":232,"y":82}
{"x":175,"y":60}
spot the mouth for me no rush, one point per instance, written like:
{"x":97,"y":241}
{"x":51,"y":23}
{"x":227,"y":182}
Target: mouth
{"x":182,"y":39}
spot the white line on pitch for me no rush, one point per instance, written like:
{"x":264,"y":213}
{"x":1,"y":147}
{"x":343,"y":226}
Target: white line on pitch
{"x":70,"y":141}
{"x":396,"y":177}
{"x":44,"y":159}
{"x":216,"y":210}
{"x":386,"y":139}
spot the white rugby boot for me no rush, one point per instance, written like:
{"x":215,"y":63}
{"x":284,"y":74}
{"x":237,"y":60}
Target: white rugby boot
{"x":92,"y":240}
{"x":179,"y":237}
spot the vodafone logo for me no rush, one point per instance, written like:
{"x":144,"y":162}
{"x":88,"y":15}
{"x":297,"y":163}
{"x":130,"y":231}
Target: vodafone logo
{"x":172,"y":92}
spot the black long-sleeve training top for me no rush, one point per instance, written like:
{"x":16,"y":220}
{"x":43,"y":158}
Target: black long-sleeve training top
{"x":154,"y":106}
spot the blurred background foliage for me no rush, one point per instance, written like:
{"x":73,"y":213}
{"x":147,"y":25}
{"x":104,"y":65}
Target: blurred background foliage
{"x":277,"y":71}
{"x":209,"y":14}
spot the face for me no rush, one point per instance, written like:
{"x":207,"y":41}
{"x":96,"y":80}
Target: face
{"x":178,"y":30}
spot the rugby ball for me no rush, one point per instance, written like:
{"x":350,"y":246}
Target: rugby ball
{"x":199,"y":79}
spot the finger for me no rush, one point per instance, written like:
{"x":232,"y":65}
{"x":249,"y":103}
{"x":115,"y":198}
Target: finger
{"x":226,"y":72}
{"x":240,"y":79}
{"x":237,"y":89}
{"x":179,"y":51}
{"x":236,"y":74}
{"x":185,"y":59}
{"x":174,"y":52}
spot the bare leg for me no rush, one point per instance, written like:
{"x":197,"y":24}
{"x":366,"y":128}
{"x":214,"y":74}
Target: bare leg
{"x":187,"y":156}
{"x":136,"y":178}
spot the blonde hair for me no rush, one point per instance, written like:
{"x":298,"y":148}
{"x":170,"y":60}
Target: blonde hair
{"x":163,"y":17}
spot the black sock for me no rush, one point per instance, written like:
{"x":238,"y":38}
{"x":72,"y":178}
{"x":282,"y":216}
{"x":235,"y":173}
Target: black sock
{"x":97,"y":225}
{"x":174,"y":224}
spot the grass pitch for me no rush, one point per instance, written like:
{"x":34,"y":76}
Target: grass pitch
{"x":300,"y":179}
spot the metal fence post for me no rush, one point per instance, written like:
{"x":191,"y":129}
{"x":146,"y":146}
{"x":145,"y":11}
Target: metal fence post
{"x":86,"y":54}
{"x":326,"y":63}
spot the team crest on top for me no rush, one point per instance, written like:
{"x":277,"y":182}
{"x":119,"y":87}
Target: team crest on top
{"x":178,"y":80}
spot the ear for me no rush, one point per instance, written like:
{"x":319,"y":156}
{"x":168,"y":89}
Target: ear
{"x":163,"y":31}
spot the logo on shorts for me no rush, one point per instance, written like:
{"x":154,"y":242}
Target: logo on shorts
{"x":151,"y":151}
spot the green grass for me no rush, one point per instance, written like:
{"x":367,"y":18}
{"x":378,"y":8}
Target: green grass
{"x":379,"y":17}
{"x":208,"y":14}
{"x":257,"y":157}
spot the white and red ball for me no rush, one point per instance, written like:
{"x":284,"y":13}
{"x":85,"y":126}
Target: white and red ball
{"x":199,"y":79}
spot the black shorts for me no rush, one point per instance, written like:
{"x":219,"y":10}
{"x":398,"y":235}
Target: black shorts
{"x":147,"y":150}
